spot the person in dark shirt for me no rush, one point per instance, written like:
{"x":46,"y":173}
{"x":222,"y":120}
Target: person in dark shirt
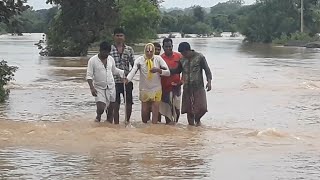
{"x":194,"y":100}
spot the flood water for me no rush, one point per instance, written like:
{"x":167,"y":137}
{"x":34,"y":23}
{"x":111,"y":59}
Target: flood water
{"x":263,"y":120}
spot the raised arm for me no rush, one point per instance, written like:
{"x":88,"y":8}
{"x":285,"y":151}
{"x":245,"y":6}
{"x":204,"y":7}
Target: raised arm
{"x":131,"y":57}
{"x":115,"y":70}
{"x":164,"y":67}
{"x":177,"y":70}
{"x":133,"y":70}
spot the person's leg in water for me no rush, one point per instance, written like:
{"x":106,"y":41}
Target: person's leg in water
{"x":198,"y":119}
{"x":113,"y":109}
{"x":178,"y":114}
{"x":145,"y":112}
{"x":116,"y":108}
{"x":155,"y":111}
{"x":191,"y":119}
{"x":177,"y":111}
{"x":100,"y":110}
{"x":109,"y":112}
{"x":129,"y":103}
{"x":159,"y":117}
{"x":200,"y":105}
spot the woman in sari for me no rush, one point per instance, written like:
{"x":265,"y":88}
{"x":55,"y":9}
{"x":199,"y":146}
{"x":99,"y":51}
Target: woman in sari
{"x":151,"y":68}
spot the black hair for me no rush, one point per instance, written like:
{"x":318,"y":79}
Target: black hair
{"x":118,"y":30}
{"x":156,"y":44}
{"x":184,"y":46}
{"x":105,"y":46}
{"x":166,"y":40}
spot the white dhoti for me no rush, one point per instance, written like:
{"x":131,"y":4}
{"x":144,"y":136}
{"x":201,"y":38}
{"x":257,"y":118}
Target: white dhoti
{"x":169,"y":104}
{"x":106,"y":95}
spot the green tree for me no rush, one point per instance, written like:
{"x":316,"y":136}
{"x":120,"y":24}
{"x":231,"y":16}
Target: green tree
{"x":78,"y":24}
{"x":140,"y":19}
{"x":268,"y":20}
{"x":199,"y":13}
{"x":8,"y":8}
{"x":3,"y":28}
{"x":6,"y":75}
{"x":168,"y":24}
{"x":82,"y":22}
{"x":201,"y":28}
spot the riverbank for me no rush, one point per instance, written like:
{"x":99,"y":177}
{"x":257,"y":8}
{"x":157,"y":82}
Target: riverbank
{"x":298,"y":40}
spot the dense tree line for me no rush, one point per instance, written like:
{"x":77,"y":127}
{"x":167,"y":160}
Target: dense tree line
{"x":8,"y":8}
{"x":75,"y":24}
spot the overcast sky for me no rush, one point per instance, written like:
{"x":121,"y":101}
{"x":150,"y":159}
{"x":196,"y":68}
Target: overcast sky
{"x":188,"y":3}
{"x":41,"y":4}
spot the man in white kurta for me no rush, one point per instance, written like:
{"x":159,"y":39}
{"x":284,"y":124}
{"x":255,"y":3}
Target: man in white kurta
{"x":100,"y":71}
{"x":151,"y":68}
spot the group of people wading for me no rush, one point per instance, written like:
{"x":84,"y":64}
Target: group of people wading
{"x":111,"y":71}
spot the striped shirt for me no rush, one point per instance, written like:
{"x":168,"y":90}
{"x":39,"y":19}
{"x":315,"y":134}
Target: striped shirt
{"x":123,"y":61}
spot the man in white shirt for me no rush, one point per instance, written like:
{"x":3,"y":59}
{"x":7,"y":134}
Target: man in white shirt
{"x":100,"y":71}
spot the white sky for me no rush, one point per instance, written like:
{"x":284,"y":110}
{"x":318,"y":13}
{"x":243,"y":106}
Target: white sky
{"x":189,"y":3}
{"x":41,"y":4}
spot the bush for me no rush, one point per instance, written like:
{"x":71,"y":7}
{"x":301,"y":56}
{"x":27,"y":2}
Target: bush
{"x":297,"y":36}
{"x":6,"y":75}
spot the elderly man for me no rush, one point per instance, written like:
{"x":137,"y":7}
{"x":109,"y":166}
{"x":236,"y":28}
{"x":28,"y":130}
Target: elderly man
{"x":151,"y":68}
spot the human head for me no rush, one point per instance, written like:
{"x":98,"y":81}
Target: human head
{"x":167,"y":46}
{"x":149,"y":50}
{"x":104,"y":50}
{"x":157,"y":48}
{"x":119,"y":35}
{"x":185,"y":49}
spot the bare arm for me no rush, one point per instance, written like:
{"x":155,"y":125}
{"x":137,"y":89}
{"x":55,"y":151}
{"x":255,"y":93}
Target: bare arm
{"x":133,"y":70}
{"x":115,"y":70}
{"x":164,"y":69}
{"x":177,"y":70}
{"x":131,"y":57}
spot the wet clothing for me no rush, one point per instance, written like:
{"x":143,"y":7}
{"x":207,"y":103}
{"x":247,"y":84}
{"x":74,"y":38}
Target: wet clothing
{"x":172,"y":62}
{"x":194,"y":101}
{"x":102,"y":77}
{"x":149,"y":87}
{"x":193,"y":87}
{"x":171,"y":95}
{"x":123,"y":61}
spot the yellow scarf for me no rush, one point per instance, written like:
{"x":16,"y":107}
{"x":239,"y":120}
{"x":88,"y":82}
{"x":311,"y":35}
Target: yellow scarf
{"x":149,"y":62}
